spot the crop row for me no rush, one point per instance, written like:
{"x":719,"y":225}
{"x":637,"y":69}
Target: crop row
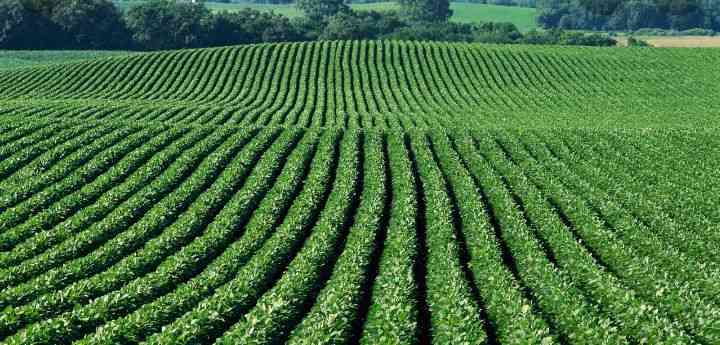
{"x":120,"y":233}
{"x":367,"y":84}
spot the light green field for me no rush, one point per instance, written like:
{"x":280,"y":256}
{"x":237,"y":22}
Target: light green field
{"x":363,"y":192}
{"x":523,"y":18}
{"x":16,"y":59}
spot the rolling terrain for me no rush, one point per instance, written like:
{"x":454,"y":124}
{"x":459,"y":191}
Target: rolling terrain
{"x":367,"y":84}
{"x":362,"y":193}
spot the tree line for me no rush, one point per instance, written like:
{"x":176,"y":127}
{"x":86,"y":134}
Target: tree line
{"x":170,"y":24}
{"x":623,"y":15}
{"x":519,"y":3}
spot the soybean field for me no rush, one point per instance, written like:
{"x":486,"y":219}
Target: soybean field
{"x":10,"y":59}
{"x":362,"y":192}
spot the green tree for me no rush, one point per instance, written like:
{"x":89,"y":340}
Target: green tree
{"x":91,"y":24}
{"x":426,"y":10}
{"x":163,"y":24}
{"x":42,"y":7}
{"x":361,"y":25}
{"x":249,"y":26}
{"x":25,"y":25}
{"x":601,"y":7}
{"x":321,"y":9}
{"x":12,"y":18}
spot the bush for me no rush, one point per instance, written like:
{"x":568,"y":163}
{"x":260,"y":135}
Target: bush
{"x":451,"y":32}
{"x":542,"y":37}
{"x":249,"y":26}
{"x":580,"y":39}
{"x":561,"y":37}
{"x":663,"y":32}
{"x":497,"y":33}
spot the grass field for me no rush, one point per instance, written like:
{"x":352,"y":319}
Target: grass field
{"x":362,"y":193}
{"x":523,"y":18}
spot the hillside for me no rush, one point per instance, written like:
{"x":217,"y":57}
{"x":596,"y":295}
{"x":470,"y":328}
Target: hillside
{"x":384,"y":85}
{"x":362,"y":193}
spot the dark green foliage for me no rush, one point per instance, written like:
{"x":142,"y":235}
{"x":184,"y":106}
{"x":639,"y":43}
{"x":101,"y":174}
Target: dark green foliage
{"x":94,"y":24}
{"x":495,"y":33}
{"x":635,"y":15}
{"x":426,"y":10}
{"x":66,"y":24}
{"x":249,"y":26}
{"x":664,"y":32}
{"x":361,"y":25}
{"x":165,"y":24}
{"x":15,"y":23}
{"x":319,"y":10}
{"x":521,"y":3}
{"x":451,"y":32}
{"x":600,"y":7}
{"x":580,"y":39}
{"x":169,"y":24}
{"x":629,"y":14}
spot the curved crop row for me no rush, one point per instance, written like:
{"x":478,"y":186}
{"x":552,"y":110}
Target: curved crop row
{"x":370,"y":84}
{"x":362,"y":192}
